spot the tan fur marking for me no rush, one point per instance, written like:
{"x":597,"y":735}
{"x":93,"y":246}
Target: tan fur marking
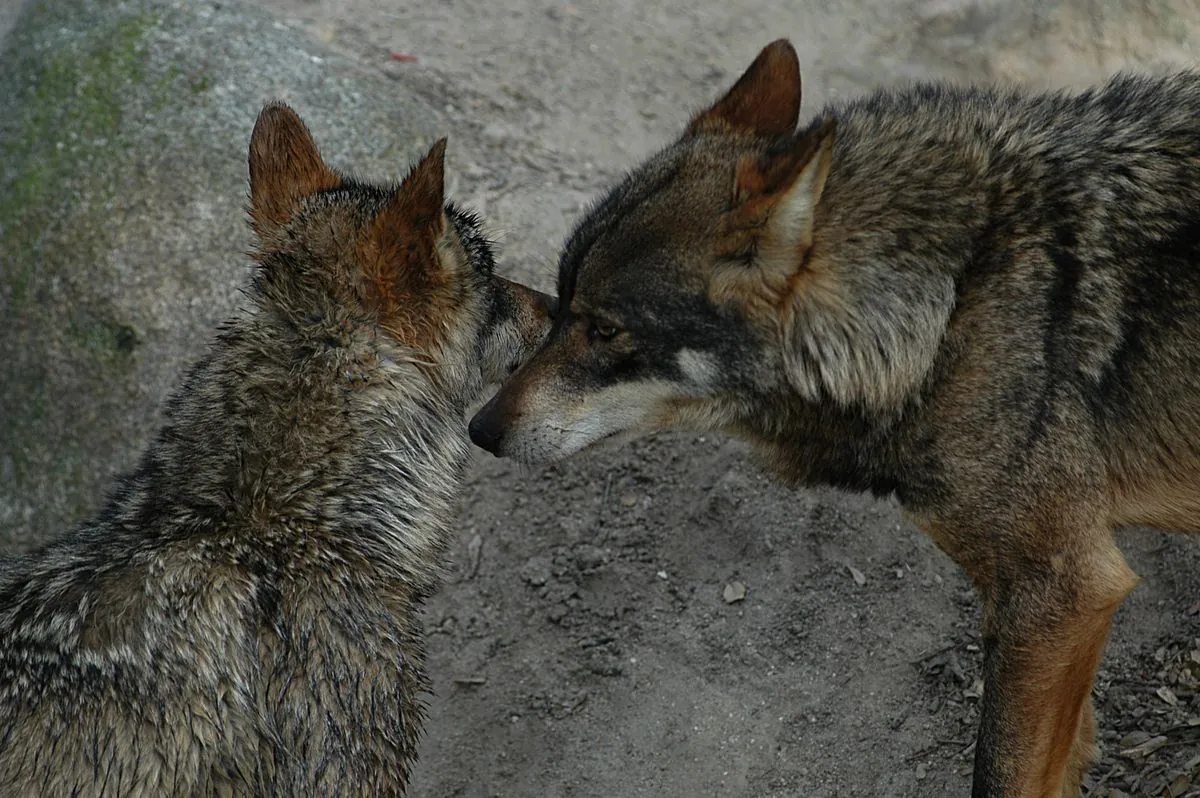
{"x":1051,"y":674}
{"x":1153,"y":498}
{"x":1083,"y":753}
{"x":1054,"y":688}
{"x":961,"y":546}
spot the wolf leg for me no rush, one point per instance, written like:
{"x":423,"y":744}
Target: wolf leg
{"x":1084,"y":752}
{"x":1044,"y":630}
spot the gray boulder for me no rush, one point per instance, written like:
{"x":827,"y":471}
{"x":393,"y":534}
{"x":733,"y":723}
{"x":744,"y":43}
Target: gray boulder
{"x":122,"y":187}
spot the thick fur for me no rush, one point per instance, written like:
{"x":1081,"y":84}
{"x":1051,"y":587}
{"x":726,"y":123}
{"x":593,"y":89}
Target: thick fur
{"x":241,"y":617}
{"x":985,"y":302}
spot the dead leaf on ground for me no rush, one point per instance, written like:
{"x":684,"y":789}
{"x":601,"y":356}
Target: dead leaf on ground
{"x":1167,"y":695}
{"x":1146,"y":748}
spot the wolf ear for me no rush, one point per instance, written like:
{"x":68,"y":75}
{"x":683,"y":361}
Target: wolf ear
{"x":775,"y":196}
{"x":765,"y":101}
{"x":410,"y":226}
{"x":401,"y":256}
{"x":285,"y":167}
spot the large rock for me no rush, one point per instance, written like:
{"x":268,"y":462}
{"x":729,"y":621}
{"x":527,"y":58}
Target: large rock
{"x":122,"y":185}
{"x":1071,"y":43}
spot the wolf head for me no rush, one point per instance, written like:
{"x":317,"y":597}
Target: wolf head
{"x":676,"y":290}
{"x":343,"y":261}
{"x":748,"y":277}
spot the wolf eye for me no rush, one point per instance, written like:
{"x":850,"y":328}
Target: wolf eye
{"x":601,"y":332}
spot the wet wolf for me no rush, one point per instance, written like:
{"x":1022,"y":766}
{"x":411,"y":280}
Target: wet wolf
{"x":240,"y":619}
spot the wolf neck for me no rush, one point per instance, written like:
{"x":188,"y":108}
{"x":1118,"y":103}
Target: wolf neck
{"x":911,"y":204}
{"x":308,"y":462}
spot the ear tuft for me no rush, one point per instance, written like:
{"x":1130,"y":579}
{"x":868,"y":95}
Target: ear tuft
{"x":285,"y":167}
{"x":765,"y":101}
{"x":768,"y":176}
{"x":776,"y":196}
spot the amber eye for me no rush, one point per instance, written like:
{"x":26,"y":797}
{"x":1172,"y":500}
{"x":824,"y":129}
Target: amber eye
{"x":601,"y":332}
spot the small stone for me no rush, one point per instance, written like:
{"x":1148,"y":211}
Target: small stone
{"x":1167,"y":695}
{"x":734,"y":592}
{"x":860,"y":578}
{"x":922,"y":772}
{"x":589,"y":556}
{"x":536,"y":571}
{"x":629,"y":500}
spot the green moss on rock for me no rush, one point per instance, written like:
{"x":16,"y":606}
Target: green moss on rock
{"x":122,"y":183}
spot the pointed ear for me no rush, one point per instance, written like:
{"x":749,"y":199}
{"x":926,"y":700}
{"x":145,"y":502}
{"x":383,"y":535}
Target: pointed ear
{"x":776,"y":196}
{"x":408,"y":229}
{"x":406,"y":277}
{"x":765,"y":101}
{"x":285,"y":167}
{"x":421,"y":199}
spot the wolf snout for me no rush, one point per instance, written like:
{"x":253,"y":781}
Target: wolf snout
{"x":486,"y":429}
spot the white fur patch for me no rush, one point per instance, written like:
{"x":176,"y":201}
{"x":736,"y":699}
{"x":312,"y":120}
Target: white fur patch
{"x":699,"y":367}
{"x":562,"y":426}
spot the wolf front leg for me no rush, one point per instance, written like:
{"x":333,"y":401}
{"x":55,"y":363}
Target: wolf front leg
{"x":1045,"y":626}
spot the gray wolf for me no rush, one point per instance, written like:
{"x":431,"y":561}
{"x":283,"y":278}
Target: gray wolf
{"x":984,"y":302}
{"x":240,"y":619}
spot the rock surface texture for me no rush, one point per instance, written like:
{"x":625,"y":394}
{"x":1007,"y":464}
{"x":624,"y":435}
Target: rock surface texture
{"x":122,"y":192}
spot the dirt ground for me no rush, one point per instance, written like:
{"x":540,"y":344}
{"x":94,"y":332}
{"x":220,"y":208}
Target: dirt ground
{"x":585,"y":646}
{"x":593,"y":639}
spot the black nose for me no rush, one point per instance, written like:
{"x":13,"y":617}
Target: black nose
{"x":485,"y":433}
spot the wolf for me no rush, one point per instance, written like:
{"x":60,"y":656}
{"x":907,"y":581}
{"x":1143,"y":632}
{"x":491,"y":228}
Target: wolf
{"x":982,"y":301}
{"x":240,"y":619}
